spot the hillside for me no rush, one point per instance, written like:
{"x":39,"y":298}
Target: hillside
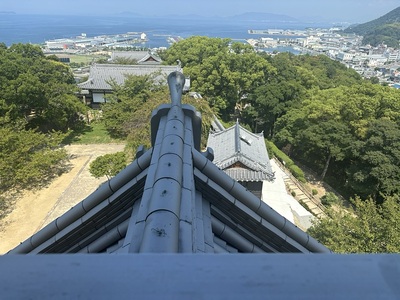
{"x":385,"y":29}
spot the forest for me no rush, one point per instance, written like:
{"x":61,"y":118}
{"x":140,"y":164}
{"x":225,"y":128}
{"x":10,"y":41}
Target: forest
{"x":321,"y":114}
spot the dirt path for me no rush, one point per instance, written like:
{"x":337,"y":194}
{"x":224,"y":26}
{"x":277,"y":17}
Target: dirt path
{"x":35,"y":209}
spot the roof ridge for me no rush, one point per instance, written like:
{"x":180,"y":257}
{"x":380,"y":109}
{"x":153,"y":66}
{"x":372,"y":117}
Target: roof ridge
{"x":171,"y":198}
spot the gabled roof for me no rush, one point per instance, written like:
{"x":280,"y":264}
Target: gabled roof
{"x":171,"y":199}
{"x":142,"y":57}
{"x":101,"y":74}
{"x":238,"y":145}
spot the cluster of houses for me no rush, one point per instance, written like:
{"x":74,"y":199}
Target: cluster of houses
{"x":382,"y":61}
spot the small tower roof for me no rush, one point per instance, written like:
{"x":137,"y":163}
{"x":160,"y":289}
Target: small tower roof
{"x":241,"y":153}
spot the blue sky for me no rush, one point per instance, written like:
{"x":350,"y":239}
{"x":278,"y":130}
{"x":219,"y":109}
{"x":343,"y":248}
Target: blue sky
{"x":338,"y":10}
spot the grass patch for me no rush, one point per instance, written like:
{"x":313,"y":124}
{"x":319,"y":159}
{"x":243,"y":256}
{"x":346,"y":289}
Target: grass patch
{"x":86,"y":59}
{"x":95,"y":133}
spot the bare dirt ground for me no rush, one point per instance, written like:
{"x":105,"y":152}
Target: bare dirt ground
{"x":35,"y":209}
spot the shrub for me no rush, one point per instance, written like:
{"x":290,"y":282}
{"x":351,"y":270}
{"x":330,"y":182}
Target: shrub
{"x":329,"y":198}
{"x":302,"y":203}
{"x":314,"y":192}
{"x":108,"y":165}
{"x":282,"y":157}
{"x":297,"y":173}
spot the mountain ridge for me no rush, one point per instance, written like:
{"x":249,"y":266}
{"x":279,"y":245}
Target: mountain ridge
{"x":385,"y":29}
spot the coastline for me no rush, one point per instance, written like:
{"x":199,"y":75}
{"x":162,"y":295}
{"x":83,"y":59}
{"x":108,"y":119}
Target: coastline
{"x":37,"y":29}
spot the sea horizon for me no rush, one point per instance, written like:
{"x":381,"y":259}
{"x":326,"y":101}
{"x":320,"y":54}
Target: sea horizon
{"x":36,"y":29}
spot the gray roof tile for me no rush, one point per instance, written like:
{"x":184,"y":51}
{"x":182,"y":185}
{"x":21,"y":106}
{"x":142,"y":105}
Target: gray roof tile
{"x":141,"y":57}
{"x":101,"y":74}
{"x":237,"y":144}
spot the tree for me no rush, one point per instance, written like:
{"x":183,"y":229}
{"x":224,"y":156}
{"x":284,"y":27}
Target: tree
{"x":108,"y":165}
{"x":351,"y":132}
{"x":331,"y":139}
{"x":28,"y":158}
{"x":194,"y":50}
{"x":296,"y":79}
{"x":365,"y":228}
{"x":128,"y":110}
{"x":27,"y":50}
{"x":222,"y":71}
{"x":37,"y":91}
{"x":375,"y":167}
{"x":127,"y":99}
{"x":315,"y":131}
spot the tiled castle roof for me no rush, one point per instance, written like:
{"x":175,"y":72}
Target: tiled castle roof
{"x":172,"y":199}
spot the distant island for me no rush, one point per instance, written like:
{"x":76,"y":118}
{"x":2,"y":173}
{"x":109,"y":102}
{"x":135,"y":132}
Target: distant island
{"x":8,"y":13}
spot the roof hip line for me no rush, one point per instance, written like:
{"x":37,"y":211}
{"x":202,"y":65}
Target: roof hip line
{"x":238,"y":148}
{"x":161,"y":231}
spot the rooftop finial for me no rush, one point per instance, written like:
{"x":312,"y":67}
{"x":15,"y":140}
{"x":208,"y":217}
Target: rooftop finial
{"x":179,"y":66}
{"x":176,"y":82}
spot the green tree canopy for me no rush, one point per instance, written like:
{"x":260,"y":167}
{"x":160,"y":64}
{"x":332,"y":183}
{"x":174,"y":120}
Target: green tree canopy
{"x":37,"y":103}
{"x":353,"y":130}
{"x":29,"y":159}
{"x":295,"y":79}
{"x":128,"y":110}
{"x":37,"y":91}
{"x":366,"y":228}
{"x":222,"y":71}
{"x":126,"y":100}
{"x":375,"y":166}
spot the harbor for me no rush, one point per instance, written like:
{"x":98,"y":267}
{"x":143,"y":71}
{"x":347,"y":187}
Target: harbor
{"x":83,"y":42}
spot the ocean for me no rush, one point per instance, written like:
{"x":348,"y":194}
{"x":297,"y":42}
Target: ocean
{"x":36,"y":29}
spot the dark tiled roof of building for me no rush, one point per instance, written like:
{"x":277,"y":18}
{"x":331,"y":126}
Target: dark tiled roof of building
{"x":101,"y":74}
{"x":171,"y":199}
{"x":142,"y":57}
{"x":236,"y":147}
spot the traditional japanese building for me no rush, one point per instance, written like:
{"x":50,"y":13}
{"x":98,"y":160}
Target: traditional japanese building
{"x":96,"y":89}
{"x":242,"y":155}
{"x":140,"y":57}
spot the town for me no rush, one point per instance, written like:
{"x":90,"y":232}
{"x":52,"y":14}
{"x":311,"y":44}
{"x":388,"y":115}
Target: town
{"x":381,"y":63}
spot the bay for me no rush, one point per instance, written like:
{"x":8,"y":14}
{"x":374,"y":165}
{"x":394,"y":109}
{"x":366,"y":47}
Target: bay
{"x":36,"y":29}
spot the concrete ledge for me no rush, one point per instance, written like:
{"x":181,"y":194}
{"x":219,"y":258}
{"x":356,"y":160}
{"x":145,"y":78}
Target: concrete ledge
{"x":214,"y":276}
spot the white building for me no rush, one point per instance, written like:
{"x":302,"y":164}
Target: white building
{"x":345,"y":56}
